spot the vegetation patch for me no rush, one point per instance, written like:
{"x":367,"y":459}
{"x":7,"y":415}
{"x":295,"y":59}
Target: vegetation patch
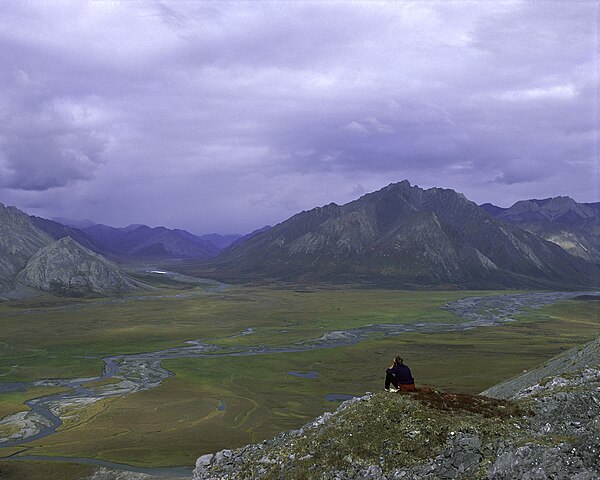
{"x":180,"y":420}
{"x":389,"y":430}
{"x":28,"y":470}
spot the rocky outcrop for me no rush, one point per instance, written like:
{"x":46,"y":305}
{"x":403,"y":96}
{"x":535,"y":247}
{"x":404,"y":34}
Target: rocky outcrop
{"x":576,"y":359}
{"x":66,"y":268}
{"x":19,"y":240}
{"x":543,"y":427}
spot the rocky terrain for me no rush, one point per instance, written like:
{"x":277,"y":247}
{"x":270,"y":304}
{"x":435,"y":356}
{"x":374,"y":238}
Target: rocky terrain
{"x":19,"y":240}
{"x":561,"y":220}
{"x":532,"y":427}
{"x":66,"y":268}
{"x":31,"y":260}
{"x":403,"y":236}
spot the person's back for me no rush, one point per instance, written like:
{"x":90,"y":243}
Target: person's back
{"x":403,"y":374}
{"x":400,"y":376}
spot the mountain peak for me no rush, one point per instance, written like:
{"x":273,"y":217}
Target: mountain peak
{"x":561,"y":209}
{"x":403,"y":235}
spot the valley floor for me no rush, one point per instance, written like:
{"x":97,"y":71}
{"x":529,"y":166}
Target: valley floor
{"x":261,"y":386}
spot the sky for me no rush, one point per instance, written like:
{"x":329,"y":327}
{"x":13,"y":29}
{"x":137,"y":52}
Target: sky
{"x":227,"y":116}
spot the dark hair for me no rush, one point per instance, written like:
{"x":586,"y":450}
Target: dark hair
{"x":398,"y":360}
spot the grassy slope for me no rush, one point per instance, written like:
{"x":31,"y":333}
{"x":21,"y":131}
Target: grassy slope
{"x":179,"y":421}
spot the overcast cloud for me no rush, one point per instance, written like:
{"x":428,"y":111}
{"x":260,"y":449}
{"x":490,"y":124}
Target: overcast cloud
{"x":225,"y":116}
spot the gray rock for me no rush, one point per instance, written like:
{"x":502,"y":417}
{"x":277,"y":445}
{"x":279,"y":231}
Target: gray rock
{"x":66,"y":268}
{"x":204,"y":461}
{"x":19,"y":240}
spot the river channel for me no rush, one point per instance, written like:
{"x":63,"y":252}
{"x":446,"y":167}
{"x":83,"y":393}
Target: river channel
{"x":143,"y":371}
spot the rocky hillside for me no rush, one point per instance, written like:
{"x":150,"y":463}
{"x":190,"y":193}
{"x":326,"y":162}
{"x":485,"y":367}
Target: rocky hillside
{"x":561,"y":220}
{"x":19,"y":240}
{"x":548,"y":427}
{"x":404,"y":236}
{"x":66,"y":268}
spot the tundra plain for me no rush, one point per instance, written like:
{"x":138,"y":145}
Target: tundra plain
{"x":215,"y":401}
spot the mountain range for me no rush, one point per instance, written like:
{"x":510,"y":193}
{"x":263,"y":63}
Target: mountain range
{"x":30,"y":258}
{"x":66,"y":268}
{"x":19,"y":241}
{"x":137,"y":241}
{"x":574,"y":226}
{"x":403,"y":236}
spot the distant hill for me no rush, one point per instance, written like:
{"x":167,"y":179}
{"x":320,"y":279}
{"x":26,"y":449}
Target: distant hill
{"x":250,"y":235}
{"x":19,"y":240}
{"x":146,"y":242}
{"x":31,"y":257}
{"x":220,"y":241}
{"x":561,"y":220}
{"x":73,"y":223}
{"x":493,"y":210}
{"x":404,"y":236}
{"x":66,"y":268}
{"x":57,"y":231}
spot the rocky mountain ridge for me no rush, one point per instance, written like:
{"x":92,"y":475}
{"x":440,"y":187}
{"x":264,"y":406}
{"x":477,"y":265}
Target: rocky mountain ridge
{"x":19,"y":240}
{"x":561,"y":220}
{"x":66,"y":268}
{"x":544,"y":427}
{"x":403,"y":236}
{"x":142,"y":241}
{"x":31,"y":261}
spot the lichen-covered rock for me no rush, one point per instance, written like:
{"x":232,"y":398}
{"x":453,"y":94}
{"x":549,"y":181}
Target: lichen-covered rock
{"x":66,"y":268}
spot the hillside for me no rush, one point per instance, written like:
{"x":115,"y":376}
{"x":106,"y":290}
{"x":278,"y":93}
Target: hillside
{"x":19,"y":240}
{"x":66,"y":268}
{"x":546,"y":428}
{"x":561,"y":220}
{"x":142,"y":241}
{"x":403,"y":236}
{"x":58,"y":230}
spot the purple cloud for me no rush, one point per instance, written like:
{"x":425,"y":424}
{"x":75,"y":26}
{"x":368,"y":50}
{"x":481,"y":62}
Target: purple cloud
{"x":228,"y":116}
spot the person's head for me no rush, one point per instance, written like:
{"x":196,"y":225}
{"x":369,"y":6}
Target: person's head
{"x":398,"y":360}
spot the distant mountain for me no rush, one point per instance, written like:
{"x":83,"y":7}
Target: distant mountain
{"x":66,"y":268}
{"x":137,"y":240}
{"x":58,"y":230}
{"x":19,"y":240}
{"x":250,"y":235}
{"x":493,"y":210}
{"x":73,"y":223}
{"x":404,"y":236}
{"x":145,"y":242}
{"x":561,"y":220}
{"x":220,"y":241}
{"x":30,"y":256}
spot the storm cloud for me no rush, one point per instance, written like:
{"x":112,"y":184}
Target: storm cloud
{"x":225,"y":116}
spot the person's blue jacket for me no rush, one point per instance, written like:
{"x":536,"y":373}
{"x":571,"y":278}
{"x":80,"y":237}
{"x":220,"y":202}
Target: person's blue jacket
{"x":402,"y":374}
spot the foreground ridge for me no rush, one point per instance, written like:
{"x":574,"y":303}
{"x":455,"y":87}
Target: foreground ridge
{"x":540,"y":427}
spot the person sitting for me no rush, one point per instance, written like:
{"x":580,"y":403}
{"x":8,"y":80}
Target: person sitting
{"x":400,"y":376}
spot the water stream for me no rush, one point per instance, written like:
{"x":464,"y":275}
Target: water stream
{"x":143,"y":371}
